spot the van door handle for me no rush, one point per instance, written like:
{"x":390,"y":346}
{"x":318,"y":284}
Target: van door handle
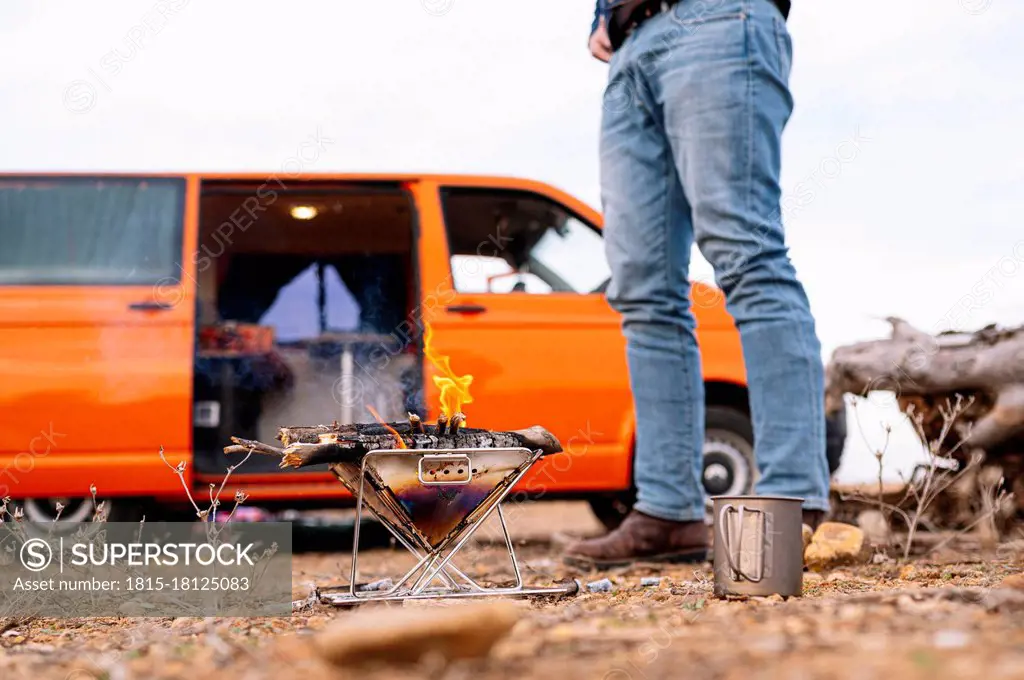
{"x":150,"y":306}
{"x":465,"y":309}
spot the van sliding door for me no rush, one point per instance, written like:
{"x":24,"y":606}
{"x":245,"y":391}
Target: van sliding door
{"x":96,"y":332}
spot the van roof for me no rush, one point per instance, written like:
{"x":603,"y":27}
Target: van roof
{"x":283,"y":175}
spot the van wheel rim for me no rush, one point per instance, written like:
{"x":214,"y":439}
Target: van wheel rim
{"x":44,"y":509}
{"x":727,"y":469}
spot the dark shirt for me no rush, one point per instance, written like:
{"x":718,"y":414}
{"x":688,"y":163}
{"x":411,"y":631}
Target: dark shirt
{"x":605,"y":6}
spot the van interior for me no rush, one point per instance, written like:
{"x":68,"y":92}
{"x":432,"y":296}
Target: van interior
{"x":305,"y":295}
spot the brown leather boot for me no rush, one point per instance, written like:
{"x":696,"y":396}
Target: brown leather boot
{"x":644,"y":538}
{"x":813,"y":518}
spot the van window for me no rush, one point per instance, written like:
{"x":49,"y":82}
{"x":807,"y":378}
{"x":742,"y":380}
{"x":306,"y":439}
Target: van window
{"x":518,"y":242}
{"x":90,"y":231}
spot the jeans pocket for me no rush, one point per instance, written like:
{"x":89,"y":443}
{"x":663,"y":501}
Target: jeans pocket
{"x":784,"y":45}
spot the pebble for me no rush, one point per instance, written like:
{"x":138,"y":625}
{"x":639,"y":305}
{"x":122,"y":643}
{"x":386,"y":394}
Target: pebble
{"x":382,"y":584}
{"x":835,"y":544}
{"x":650,"y":581}
{"x":1015,"y":581}
{"x":602,"y":586}
{"x":950,"y":639}
{"x":407,"y":635}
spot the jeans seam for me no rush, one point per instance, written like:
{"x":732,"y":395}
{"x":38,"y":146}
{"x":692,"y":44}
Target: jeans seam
{"x":750,"y":118}
{"x":667,"y":236}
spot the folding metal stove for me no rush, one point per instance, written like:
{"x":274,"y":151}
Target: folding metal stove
{"x":432,"y":501}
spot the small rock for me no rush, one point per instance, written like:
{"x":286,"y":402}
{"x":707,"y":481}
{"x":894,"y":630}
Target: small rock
{"x":874,"y":526}
{"x":808,"y":534}
{"x":1015,"y":581}
{"x":835,"y":544}
{"x":950,"y":639}
{"x":775,"y":597}
{"x":41,"y":649}
{"x":382,"y":584}
{"x":880,"y":558}
{"x":406,"y":635}
{"x":650,"y":581}
{"x":602,"y":586}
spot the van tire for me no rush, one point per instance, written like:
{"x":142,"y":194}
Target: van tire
{"x":39,"y":512}
{"x":728,"y":451}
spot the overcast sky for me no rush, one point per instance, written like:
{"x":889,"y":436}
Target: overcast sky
{"x":905,"y":147}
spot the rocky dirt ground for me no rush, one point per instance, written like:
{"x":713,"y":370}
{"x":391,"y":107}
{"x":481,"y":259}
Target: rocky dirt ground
{"x":944,"y":616}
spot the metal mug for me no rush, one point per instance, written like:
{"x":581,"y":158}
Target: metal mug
{"x":758,"y":545}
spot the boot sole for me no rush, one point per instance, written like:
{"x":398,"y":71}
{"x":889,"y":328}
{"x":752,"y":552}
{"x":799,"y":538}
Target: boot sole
{"x":687,"y":557}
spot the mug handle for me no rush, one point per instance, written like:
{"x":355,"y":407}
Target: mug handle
{"x":737,"y":572}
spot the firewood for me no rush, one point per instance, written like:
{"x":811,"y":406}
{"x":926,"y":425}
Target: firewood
{"x":987,"y":364}
{"x":306,"y":446}
{"x":244,"y":445}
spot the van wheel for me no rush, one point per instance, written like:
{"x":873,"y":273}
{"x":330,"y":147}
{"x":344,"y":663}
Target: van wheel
{"x":40,"y":512}
{"x":728,"y":464}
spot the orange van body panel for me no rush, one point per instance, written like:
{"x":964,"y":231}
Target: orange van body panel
{"x":125,"y":382}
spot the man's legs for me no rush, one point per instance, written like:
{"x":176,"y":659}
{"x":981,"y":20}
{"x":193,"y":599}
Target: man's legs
{"x":648,"y":238}
{"x":721,"y":79}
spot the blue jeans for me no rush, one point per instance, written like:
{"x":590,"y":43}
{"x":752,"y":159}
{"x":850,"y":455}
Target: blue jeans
{"x":694,"y":110}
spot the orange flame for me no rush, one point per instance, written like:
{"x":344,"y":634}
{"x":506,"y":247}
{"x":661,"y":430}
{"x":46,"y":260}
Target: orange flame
{"x":454,"y":388}
{"x":400,"y":443}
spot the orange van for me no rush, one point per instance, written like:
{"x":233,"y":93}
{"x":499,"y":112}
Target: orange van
{"x":146,"y":311}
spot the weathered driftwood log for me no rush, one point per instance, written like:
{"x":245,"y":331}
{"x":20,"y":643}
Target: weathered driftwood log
{"x":305,"y":446}
{"x":923,"y":369}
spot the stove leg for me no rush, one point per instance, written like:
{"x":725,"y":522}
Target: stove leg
{"x":423,"y":559}
{"x":511,"y":549}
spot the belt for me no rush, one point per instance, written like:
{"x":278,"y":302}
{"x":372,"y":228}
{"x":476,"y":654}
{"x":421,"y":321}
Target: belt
{"x":626,"y":17}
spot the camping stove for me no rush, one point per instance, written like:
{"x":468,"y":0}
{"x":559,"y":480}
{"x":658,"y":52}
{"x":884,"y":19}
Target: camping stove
{"x":432,"y":501}
{"x":432,"y":493}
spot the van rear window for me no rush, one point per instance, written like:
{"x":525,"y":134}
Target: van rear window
{"x":90,"y":231}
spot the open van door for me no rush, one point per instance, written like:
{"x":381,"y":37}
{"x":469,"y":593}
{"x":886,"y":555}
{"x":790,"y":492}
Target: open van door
{"x":96,"y":333}
{"x":515,"y":287}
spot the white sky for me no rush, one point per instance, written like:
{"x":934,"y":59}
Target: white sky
{"x":909,"y":223}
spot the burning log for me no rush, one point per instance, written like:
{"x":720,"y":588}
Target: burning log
{"x":442,"y":423}
{"x":456,"y":422}
{"x":416,"y":424}
{"x":306,"y":446}
{"x":925,"y":370}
